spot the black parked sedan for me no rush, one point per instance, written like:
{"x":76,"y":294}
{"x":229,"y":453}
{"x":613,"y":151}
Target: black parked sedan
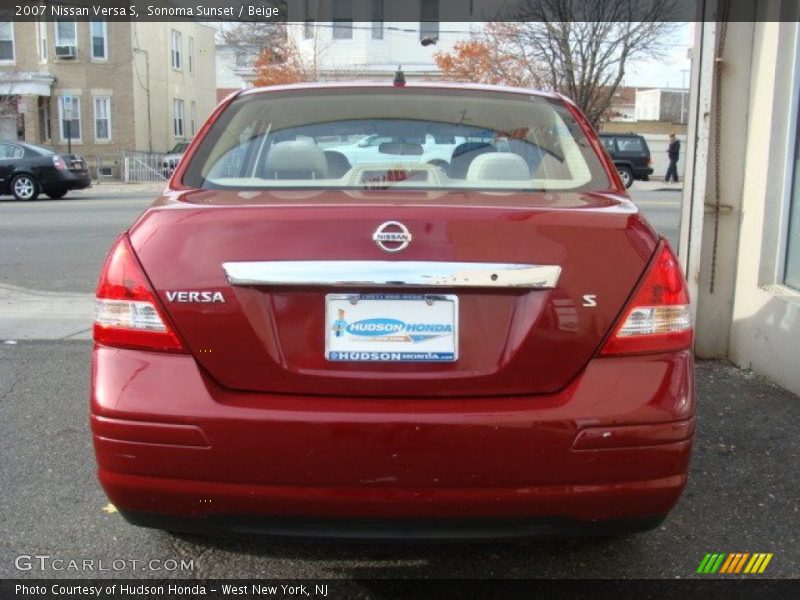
{"x":26,"y":170}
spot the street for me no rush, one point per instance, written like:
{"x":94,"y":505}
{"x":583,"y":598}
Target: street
{"x":743,"y":495}
{"x":82,"y":228}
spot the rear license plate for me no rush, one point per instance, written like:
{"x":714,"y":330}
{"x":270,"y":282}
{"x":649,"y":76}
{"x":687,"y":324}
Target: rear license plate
{"x":391,"y":327}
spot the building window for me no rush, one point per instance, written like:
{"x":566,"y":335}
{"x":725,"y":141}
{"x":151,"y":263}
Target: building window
{"x":175,"y":49}
{"x":192,"y":117}
{"x":66,"y":33}
{"x":177,"y":118}
{"x":309,"y":18}
{"x":428,"y":19}
{"x":41,"y":30}
{"x":102,"y":118}
{"x":190,"y":54}
{"x":99,"y":40}
{"x":342,"y":19}
{"x":377,"y":19}
{"x":70,"y":128}
{"x":791,"y":274}
{"x":6,"y":42}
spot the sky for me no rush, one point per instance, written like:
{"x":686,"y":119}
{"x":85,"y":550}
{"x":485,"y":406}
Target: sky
{"x":672,"y":70}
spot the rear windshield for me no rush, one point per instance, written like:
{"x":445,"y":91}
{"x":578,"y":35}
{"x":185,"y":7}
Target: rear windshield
{"x":396,"y":137}
{"x":179,"y":148}
{"x":630,"y":144}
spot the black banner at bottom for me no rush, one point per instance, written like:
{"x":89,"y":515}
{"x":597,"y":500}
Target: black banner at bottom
{"x":335,"y":589}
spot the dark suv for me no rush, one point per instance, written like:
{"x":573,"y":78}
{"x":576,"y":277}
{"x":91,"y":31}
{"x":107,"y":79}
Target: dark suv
{"x":630,"y":155}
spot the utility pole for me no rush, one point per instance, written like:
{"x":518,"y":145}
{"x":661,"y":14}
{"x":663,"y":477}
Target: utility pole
{"x":68,"y":113}
{"x":683,"y":96}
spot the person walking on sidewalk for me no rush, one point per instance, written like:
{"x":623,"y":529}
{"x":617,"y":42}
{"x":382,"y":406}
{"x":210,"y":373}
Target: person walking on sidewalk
{"x":673,"y":152}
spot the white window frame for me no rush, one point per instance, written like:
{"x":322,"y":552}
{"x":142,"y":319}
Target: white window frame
{"x":175,"y":48}
{"x":178,"y":118}
{"x":105,"y":39}
{"x":190,"y":54}
{"x":193,"y":117}
{"x":41,"y":35}
{"x":790,"y":174}
{"x":13,"y":59}
{"x":107,"y":101}
{"x":62,"y":132}
{"x":57,"y":36}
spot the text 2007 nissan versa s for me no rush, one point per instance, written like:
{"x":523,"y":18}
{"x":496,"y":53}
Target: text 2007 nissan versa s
{"x":290,"y":341}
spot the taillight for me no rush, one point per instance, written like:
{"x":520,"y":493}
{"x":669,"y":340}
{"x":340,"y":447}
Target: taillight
{"x":658,"y":318}
{"x":126,"y":308}
{"x":59,"y":163}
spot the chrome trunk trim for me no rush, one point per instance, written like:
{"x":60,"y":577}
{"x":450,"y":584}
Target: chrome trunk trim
{"x":375,"y":273}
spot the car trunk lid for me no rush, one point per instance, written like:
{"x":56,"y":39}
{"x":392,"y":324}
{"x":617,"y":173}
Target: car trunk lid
{"x":274,"y":334}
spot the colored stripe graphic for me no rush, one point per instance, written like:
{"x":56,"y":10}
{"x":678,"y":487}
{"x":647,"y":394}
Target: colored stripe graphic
{"x":764,"y":564}
{"x":734,"y":563}
{"x":737,"y":565}
{"x":703,"y":563}
{"x":729,"y":562}
{"x":711,"y":563}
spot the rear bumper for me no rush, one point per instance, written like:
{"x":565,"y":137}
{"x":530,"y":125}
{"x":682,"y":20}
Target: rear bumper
{"x":391,"y":529}
{"x":77,"y":181}
{"x":173,"y":449}
{"x":66,"y":180}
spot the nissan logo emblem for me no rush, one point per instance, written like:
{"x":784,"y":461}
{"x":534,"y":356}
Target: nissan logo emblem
{"x":392,"y":236}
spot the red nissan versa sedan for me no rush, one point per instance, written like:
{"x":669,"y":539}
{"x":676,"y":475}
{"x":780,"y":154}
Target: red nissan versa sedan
{"x":294,"y":342}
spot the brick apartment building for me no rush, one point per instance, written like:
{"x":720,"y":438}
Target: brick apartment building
{"x":131,"y":86}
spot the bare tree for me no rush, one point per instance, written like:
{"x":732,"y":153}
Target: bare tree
{"x":252,"y":37}
{"x":584,"y":47}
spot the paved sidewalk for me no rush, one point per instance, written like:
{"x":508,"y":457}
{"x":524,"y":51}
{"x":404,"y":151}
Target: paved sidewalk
{"x":655,"y":186}
{"x":27,"y":314}
{"x":124,"y":189}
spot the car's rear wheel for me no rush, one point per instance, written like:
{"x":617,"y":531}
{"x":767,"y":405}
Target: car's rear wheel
{"x":626,"y":175}
{"x":56,"y":194}
{"x":24,"y":187}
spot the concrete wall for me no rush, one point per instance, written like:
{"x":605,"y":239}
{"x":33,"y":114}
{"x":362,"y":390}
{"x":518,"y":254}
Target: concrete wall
{"x":658,"y":145}
{"x":648,"y":105}
{"x":151,"y":44}
{"x":765,"y":329}
{"x":720,"y":231}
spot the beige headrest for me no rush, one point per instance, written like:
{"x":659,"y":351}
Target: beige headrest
{"x":499,"y":166}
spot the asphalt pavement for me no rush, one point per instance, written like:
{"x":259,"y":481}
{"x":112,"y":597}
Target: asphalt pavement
{"x":743,"y":494}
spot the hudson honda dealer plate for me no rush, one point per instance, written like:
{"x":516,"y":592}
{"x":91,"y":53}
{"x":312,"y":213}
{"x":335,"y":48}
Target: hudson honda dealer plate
{"x":391,"y":327}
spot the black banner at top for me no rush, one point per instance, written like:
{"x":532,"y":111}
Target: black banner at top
{"x":409,"y":11}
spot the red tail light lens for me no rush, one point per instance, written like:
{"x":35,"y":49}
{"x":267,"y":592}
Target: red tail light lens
{"x":658,"y":318}
{"x":126,"y":308}
{"x":59,"y":163}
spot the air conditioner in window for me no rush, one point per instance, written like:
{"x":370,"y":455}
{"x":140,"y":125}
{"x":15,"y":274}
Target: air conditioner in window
{"x":65,"y":51}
